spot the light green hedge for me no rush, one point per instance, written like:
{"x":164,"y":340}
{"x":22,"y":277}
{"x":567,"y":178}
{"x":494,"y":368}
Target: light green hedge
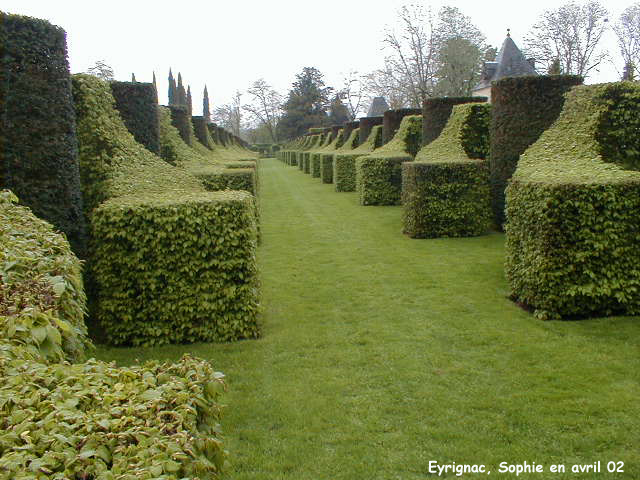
{"x":573,"y":229}
{"x":445,"y":192}
{"x":350,"y":144}
{"x":379,"y":174}
{"x":42,"y":299}
{"x":344,"y":171}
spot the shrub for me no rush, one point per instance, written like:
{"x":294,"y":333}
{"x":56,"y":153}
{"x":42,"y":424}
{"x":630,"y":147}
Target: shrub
{"x":315,"y":142}
{"x":181,"y":119}
{"x":315,"y":157}
{"x":436,"y":113}
{"x":38,"y":145}
{"x":326,"y":159}
{"x":379,"y":174}
{"x":95,"y":420}
{"x":392,"y":119}
{"x":202,"y":132}
{"x":345,"y":163}
{"x":228,"y":179}
{"x":445,"y":193}
{"x":573,"y":230}
{"x":350,"y":144}
{"x":523,"y":108}
{"x":138,"y":107}
{"x":42,"y":299}
{"x":365,"y":126}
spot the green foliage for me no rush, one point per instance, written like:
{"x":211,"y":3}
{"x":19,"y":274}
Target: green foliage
{"x":138,"y":106}
{"x":181,"y":119}
{"x":229,"y":179}
{"x":392,"y":120}
{"x":444,"y":192}
{"x":436,"y":113}
{"x":366,"y":124}
{"x":38,"y":146}
{"x":344,"y":170}
{"x":94,"y":420}
{"x":523,"y":108}
{"x":379,"y":174}
{"x":201,"y":132}
{"x":42,"y":300}
{"x":573,"y":232}
{"x":338,"y":112}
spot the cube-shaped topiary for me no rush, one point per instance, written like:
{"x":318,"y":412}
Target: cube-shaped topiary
{"x":345,"y":162}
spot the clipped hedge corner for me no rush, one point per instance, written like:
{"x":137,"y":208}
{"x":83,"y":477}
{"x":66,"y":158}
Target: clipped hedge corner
{"x":344,"y":163}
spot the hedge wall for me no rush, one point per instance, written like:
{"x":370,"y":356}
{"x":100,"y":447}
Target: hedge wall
{"x":315,"y":142}
{"x":379,"y":174}
{"x":366,"y":124}
{"x":344,"y":170}
{"x":138,"y":106}
{"x":38,"y":145}
{"x":347,"y":128}
{"x":436,"y":113}
{"x":523,"y":108}
{"x":181,"y":119}
{"x":98,"y":421}
{"x":326,"y":159}
{"x":392,"y":119}
{"x":573,"y":229}
{"x":445,"y":193}
{"x":315,"y":157}
{"x":42,"y":299}
{"x":350,"y":144}
{"x":149,"y":249}
{"x":202,"y":132}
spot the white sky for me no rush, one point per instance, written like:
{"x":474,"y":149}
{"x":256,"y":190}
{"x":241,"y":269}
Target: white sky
{"x":229,"y":44}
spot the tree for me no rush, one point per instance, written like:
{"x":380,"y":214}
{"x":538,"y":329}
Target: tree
{"x":181,"y":93}
{"x":306,"y":105}
{"x":173,"y":90}
{"x":459,"y":67}
{"x":265,"y":107}
{"x":627,"y":29}
{"x":555,"y":68}
{"x":338,"y":112}
{"x":189,"y":102}
{"x":101,"y":70}
{"x":206,"y":111}
{"x":386,"y":83}
{"x":352,"y":93}
{"x":629,"y":73}
{"x":229,"y":115}
{"x":571,"y":34}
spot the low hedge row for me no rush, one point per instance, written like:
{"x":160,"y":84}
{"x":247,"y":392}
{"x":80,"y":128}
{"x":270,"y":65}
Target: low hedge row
{"x":38,"y":146}
{"x":573,"y":230}
{"x":350,"y":144}
{"x":445,"y":192}
{"x":379,"y":174}
{"x":315,"y":157}
{"x":344,"y":166}
{"x":138,"y":106}
{"x":326,"y":159}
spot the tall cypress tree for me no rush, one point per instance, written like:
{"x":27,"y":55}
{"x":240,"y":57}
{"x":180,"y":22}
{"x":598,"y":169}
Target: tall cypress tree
{"x":206,"y":113}
{"x":155,"y":86}
{"x":189,"y":102}
{"x":182,"y":94}
{"x":133,"y":78}
{"x":172,"y":90}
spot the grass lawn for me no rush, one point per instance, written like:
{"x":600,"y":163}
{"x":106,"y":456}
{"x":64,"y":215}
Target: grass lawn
{"x":381,"y":353}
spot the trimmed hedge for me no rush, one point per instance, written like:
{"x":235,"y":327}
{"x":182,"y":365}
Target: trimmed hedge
{"x":523,"y":108}
{"x":181,"y":119}
{"x":315,"y":142}
{"x":366,"y":125}
{"x":138,"y":106}
{"x":379,"y":174}
{"x":202,"y":132}
{"x":392,"y":119}
{"x":345,"y":163}
{"x":326,"y":159}
{"x":445,"y":192}
{"x":315,"y":157}
{"x":171,"y":262}
{"x":436,"y":113}
{"x":98,"y":421}
{"x":573,"y":229}
{"x":229,"y":179}
{"x":42,"y":299}
{"x":38,"y":145}
{"x":350,"y":144}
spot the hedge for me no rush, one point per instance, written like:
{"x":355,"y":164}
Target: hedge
{"x":345,"y":163}
{"x":347,"y":128}
{"x":95,"y":420}
{"x":138,"y":106}
{"x":315,"y":157}
{"x":326,"y":159}
{"x":436,"y":113}
{"x":523,"y":108}
{"x":38,"y":145}
{"x":42,"y":299}
{"x":181,"y":119}
{"x":202,"y":132}
{"x":171,"y":262}
{"x":379,"y":174}
{"x":573,"y":229}
{"x":350,"y":144}
{"x":366,"y":125}
{"x":314,"y":143}
{"x":392,"y":119}
{"x":445,"y":192}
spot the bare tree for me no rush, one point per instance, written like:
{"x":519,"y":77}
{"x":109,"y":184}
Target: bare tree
{"x":229,"y":115}
{"x":352,"y":93}
{"x":571,"y":34}
{"x":265,"y":106}
{"x":101,"y":70}
{"x":389,"y":84}
{"x":627,"y":29}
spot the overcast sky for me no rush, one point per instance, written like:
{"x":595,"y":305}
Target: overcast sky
{"x":229,"y":44}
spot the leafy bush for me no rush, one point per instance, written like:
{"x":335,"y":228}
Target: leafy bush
{"x":436,"y":113}
{"x":523,"y":108}
{"x":379,"y":174}
{"x":315,"y":157}
{"x":445,"y":192}
{"x":138,"y":106}
{"x":38,"y":146}
{"x":42,"y":299}
{"x":344,"y":170}
{"x":95,"y":420}
{"x":366,"y":125}
{"x":181,"y":119}
{"x":326,"y":159}
{"x":202,"y":132}
{"x":392,"y":119}
{"x":573,"y":230}
{"x":315,"y":142}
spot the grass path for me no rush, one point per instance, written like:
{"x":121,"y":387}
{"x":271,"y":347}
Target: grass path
{"x":381,"y":353}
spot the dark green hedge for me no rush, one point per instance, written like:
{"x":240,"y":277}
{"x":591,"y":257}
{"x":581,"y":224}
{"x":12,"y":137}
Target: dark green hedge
{"x":523,"y":108}
{"x":573,"y":229}
{"x":365,"y":126}
{"x":379,"y":174}
{"x":344,"y":169}
{"x":181,"y":119}
{"x":213,"y":131}
{"x":349,"y":145}
{"x":436,"y":113}
{"x":38,"y":145}
{"x":42,"y":299}
{"x":445,"y":192}
{"x":138,"y":106}
{"x":392,"y":119}
{"x":202,"y":132}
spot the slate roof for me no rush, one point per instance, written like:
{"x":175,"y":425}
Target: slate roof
{"x":509,"y":63}
{"x":378,"y":107}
